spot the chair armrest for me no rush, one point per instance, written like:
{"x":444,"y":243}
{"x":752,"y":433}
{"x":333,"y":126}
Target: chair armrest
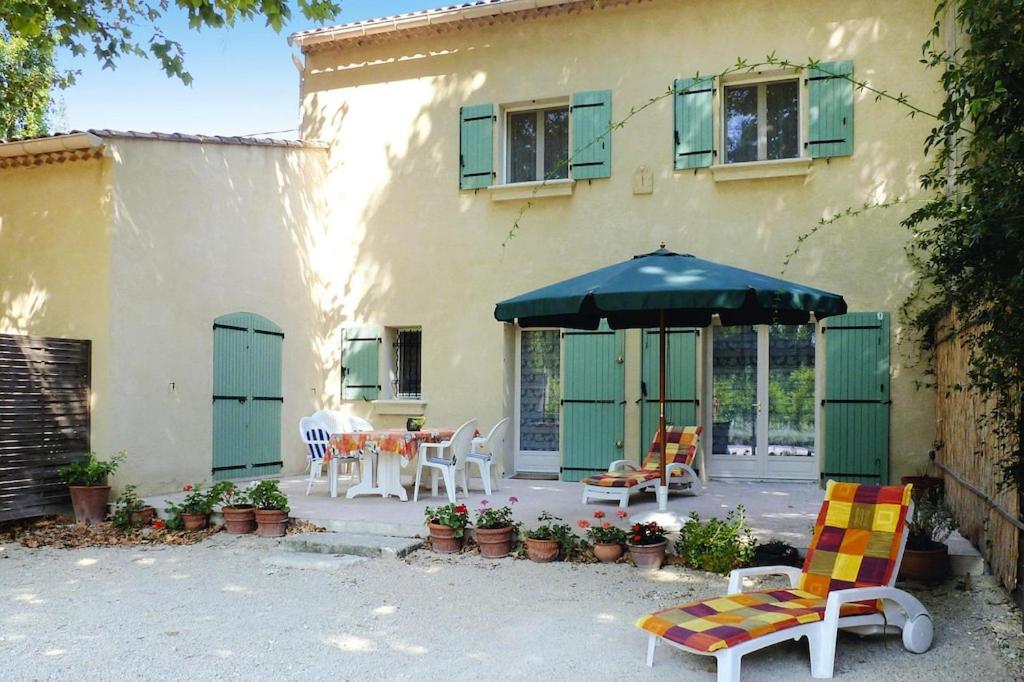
{"x":620,"y":464}
{"x":677,"y":466}
{"x":738,"y":574}
{"x":904,"y":600}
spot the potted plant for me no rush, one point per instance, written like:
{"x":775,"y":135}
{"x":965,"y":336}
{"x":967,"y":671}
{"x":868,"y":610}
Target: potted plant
{"x":716,"y":545}
{"x":194,"y":511}
{"x":606,"y":538}
{"x":414,"y":423}
{"x":87,"y":483}
{"x":926,"y":557}
{"x":647,"y":543}
{"x":495,"y":530}
{"x":239,"y":513}
{"x":271,"y":508}
{"x":447,"y":526}
{"x":545,"y":542}
{"x":130,"y":512}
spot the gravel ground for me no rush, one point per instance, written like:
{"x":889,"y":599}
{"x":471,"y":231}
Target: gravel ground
{"x":216,"y":611}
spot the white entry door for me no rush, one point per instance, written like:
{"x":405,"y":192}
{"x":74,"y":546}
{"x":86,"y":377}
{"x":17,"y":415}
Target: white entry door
{"x":538,"y":401}
{"x":764,"y":389}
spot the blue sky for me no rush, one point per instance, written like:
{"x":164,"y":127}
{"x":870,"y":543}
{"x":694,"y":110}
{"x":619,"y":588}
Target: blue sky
{"x":245,"y":82}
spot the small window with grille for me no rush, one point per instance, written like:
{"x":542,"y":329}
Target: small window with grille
{"x":407,"y":346}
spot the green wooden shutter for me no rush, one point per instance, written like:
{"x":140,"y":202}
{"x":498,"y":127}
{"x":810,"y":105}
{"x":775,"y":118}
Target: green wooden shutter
{"x":592,"y":135}
{"x":593,"y":401}
{"x":693,"y":122}
{"x":830,"y":95}
{"x":856,"y":403}
{"x":476,"y":146}
{"x":681,"y":385}
{"x":360,"y":371}
{"x":247,"y":396}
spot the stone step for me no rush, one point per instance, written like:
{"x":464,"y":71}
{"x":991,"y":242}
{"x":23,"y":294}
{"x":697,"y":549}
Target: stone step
{"x":356,"y":544}
{"x":360,"y":527}
{"x":314,"y":562}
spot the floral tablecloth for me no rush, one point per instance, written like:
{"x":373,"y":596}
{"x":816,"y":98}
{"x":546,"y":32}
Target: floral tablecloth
{"x":405,"y":444}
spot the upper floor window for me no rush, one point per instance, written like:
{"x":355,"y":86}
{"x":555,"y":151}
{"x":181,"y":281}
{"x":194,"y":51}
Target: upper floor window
{"x":537,"y":144}
{"x":762,"y":121}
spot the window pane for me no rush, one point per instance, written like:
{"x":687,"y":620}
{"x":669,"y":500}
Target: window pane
{"x":407,"y":360}
{"x":522,"y":146}
{"x":783,"y":118}
{"x":734,"y":378}
{"x":791,"y":390}
{"x":556,"y":143}
{"x":539,"y":391}
{"x":741,"y":124}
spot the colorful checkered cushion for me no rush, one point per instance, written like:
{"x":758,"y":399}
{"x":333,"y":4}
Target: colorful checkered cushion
{"x":682,"y":447}
{"x":715,"y":624}
{"x":856,"y":537}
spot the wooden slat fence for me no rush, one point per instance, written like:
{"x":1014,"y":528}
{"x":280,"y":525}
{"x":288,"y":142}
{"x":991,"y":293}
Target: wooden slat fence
{"x":44,"y":420}
{"x":988,"y":513}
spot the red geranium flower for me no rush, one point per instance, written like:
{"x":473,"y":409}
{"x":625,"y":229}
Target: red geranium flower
{"x":513,"y":499}
{"x":461,"y":509}
{"x":606,"y":524}
{"x":484,"y":503}
{"x":637,"y":538}
{"x":158,"y":524}
{"x":599,"y":514}
{"x":622,"y":514}
{"x":187,"y":488}
{"x":583,"y":523}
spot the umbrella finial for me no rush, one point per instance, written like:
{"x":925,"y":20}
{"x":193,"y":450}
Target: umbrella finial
{"x":663,"y":245}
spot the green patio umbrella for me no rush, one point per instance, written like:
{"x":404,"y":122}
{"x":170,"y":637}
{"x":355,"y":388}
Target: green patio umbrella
{"x":667,"y":289}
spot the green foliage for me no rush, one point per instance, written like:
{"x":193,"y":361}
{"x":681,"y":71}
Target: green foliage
{"x":233,"y":496}
{"x":716,"y":545}
{"x":932,"y":523}
{"x":197,"y":500}
{"x":649,"y":533}
{"x":967,"y":240}
{"x":568,"y":543}
{"x":455,"y":516}
{"x":494,"y":517}
{"x":267,"y":495}
{"x":602,"y":532}
{"x":91,"y":470}
{"x":27,"y":81}
{"x":111,"y":29}
{"x":127,"y":503}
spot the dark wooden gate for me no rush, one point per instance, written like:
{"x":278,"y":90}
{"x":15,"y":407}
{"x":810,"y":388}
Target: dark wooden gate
{"x":44,"y":420}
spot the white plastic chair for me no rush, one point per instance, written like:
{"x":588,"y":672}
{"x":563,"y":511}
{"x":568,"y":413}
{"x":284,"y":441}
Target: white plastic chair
{"x":317,"y":440}
{"x":448,"y":457}
{"x":485,"y":450}
{"x":359,"y":424}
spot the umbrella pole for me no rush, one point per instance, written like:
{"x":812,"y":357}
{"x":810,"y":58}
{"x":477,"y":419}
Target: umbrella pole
{"x":662,"y":481}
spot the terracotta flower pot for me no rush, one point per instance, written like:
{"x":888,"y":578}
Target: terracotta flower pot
{"x":271,"y":523}
{"x":239,"y":520}
{"x":541,"y":551}
{"x":649,"y":557}
{"x":926,"y":565}
{"x":143,"y":517}
{"x":89,"y":502}
{"x":495,"y":543}
{"x":608,"y":553}
{"x":195,"y":521}
{"x":443,"y":540}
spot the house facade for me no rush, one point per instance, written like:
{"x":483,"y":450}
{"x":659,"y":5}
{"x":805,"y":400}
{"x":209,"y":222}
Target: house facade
{"x":476,"y":154}
{"x":462,"y":156}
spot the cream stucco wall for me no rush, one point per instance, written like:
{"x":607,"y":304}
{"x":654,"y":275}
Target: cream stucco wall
{"x":199,"y":231}
{"x":415,"y":250}
{"x":54,"y":261}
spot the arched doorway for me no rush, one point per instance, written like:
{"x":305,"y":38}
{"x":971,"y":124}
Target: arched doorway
{"x":246,"y":396}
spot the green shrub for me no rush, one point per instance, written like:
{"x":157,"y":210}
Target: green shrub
{"x":91,"y":470}
{"x":267,"y":495}
{"x":716,"y":545}
{"x":125,"y":505}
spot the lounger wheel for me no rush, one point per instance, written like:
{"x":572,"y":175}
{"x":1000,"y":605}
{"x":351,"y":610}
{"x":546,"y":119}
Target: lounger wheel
{"x":917,"y":633}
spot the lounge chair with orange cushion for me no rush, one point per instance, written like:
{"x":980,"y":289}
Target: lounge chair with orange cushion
{"x":846,"y":583}
{"x":623,"y":478}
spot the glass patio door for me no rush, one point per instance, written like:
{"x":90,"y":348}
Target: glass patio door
{"x":538,"y":402}
{"x":763,"y":413}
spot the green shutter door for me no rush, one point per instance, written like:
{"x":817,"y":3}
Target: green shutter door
{"x":856,"y":403}
{"x":476,"y":146}
{"x":360,"y":356}
{"x":681,"y":386}
{"x":591,"y":135}
{"x":593,"y":402}
{"x":693,"y":122}
{"x":246,"y":396}
{"x":830,"y":106}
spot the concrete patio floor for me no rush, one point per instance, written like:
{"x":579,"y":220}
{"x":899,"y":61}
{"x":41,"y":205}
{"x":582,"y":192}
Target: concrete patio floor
{"x":775,"y":510}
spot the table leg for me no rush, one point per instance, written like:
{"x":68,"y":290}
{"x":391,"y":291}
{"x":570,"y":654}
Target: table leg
{"x":389,"y":469}
{"x":332,"y":471}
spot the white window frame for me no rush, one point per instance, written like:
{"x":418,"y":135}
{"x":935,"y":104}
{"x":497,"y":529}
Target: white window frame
{"x":503,"y":137}
{"x":760,"y":78}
